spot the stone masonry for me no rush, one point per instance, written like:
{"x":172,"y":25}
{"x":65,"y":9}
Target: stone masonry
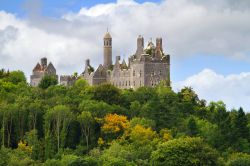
{"x":147,"y":67}
{"x":40,"y":70}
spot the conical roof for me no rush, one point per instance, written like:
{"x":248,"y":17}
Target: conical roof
{"x":107,"y":36}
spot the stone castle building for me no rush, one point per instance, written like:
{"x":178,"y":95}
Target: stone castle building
{"x":147,"y":67}
{"x":40,"y":70}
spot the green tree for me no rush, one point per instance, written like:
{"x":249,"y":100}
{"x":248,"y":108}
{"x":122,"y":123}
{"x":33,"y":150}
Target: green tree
{"x":57,"y":122}
{"x":107,"y":93}
{"x":86,"y":122}
{"x":239,"y":159}
{"x":16,"y":77}
{"x":184,"y":151}
{"x":192,"y":127}
{"x":47,"y":81}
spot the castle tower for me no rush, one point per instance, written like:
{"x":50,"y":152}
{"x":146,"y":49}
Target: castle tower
{"x":107,"y":50}
{"x":140,"y":46}
{"x":44,"y":62}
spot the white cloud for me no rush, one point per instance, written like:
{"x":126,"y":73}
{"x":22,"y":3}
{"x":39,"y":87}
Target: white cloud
{"x":232,"y":89}
{"x":187,"y":27}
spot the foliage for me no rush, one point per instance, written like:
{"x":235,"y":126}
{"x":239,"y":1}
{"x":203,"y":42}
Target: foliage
{"x":184,"y":151}
{"x":239,"y":159}
{"x":103,"y":125}
{"x":48,"y":81}
{"x":114,"y":123}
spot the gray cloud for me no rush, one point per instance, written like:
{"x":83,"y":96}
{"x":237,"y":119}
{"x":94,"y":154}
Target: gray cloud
{"x":187,"y":26}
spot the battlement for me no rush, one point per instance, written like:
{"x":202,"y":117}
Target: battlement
{"x":67,"y":80}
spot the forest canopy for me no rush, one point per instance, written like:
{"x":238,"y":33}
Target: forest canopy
{"x":103,"y":125}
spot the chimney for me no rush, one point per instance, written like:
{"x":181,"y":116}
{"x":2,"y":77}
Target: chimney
{"x":44,"y":62}
{"x":159,"y":43}
{"x":140,"y":46}
{"x":87,"y":62}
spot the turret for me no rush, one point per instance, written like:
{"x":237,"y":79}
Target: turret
{"x":107,"y":50}
{"x":140,"y":46}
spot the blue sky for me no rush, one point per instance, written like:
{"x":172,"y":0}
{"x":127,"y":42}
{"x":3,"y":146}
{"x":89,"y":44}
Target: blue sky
{"x":208,"y":40}
{"x":182,"y":68}
{"x":54,"y":8}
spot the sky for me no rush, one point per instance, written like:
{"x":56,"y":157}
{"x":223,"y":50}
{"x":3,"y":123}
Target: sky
{"x":208,"y":40}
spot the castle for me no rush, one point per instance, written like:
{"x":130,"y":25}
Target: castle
{"x":146,"y":67}
{"x":40,"y":70}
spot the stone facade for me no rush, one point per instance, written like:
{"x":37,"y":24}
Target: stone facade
{"x":147,"y":67}
{"x":67,"y":80}
{"x":40,"y":70}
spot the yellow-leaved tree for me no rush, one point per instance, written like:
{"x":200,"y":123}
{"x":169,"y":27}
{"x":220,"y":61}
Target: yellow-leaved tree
{"x":114,"y":125}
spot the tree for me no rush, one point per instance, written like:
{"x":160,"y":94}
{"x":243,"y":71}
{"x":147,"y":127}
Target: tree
{"x":239,"y":159}
{"x":31,"y":138}
{"x":187,"y":94}
{"x":240,"y":124}
{"x":57,"y":122}
{"x":16,"y":77}
{"x":184,"y":151}
{"x":114,"y":124}
{"x":86,"y":121}
{"x":48,"y":80}
{"x":142,"y":121}
{"x":192,"y":127}
{"x":107,"y":93}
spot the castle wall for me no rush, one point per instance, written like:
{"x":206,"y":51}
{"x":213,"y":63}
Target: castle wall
{"x":137,"y":74}
{"x":121,"y":78}
{"x":35,"y":79}
{"x":155,"y":72}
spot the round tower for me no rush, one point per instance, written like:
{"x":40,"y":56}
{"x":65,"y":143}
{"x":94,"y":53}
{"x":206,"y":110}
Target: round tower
{"x":107,"y":50}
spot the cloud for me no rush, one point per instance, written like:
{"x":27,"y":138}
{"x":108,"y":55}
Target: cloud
{"x":232,"y":89}
{"x":187,"y":27}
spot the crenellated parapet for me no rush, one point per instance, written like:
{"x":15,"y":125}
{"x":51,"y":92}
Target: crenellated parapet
{"x":67,"y":80}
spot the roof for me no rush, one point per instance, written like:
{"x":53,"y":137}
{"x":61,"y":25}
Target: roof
{"x":38,"y":67}
{"x":50,"y":66}
{"x":107,"y":36}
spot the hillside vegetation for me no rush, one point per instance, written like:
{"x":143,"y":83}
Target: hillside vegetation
{"x":54,"y":125}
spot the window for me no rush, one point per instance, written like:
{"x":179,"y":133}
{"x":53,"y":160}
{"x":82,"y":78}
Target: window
{"x":140,"y":73}
{"x":133,"y":72}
